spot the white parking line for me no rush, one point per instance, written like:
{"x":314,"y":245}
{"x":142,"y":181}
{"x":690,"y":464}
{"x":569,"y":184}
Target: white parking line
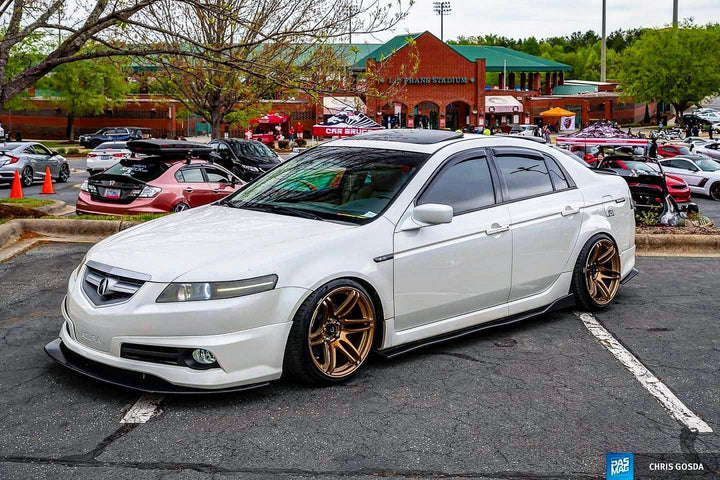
{"x":652,"y":384}
{"x":144,"y":409}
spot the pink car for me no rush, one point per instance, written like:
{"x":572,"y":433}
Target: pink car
{"x":163,"y":183}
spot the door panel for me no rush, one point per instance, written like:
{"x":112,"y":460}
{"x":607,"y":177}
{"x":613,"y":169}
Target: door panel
{"x":196,"y":191}
{"x":446,"y":270}
{"x":545,"y":231}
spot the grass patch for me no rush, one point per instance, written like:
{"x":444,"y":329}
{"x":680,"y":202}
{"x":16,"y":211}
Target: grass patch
{"x":27,"y":202}
{"x":66,"y":147}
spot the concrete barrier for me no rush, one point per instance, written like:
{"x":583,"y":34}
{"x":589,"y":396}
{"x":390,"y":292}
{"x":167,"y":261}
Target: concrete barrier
{"x":678,"y":245}
{"x":12,"y":230}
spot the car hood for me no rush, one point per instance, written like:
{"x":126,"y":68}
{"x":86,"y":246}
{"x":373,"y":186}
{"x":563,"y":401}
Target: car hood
{"x":193,"y":243}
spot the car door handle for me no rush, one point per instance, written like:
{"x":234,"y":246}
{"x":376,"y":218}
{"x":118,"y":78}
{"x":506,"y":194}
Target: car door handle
{"x":497,"y":228}
{"x":188,"y":189}
{"x":215,"y":190}
{"x":569,"y":211}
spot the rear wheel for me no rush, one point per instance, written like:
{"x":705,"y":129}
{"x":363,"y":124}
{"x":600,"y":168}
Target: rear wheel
{"x":180,"y":207}
{"x":27,"y":176}
{"x":715,"y":191}
{"x":596,"y":278}
{"x":332,"y":334}
{"x":64,"y":173}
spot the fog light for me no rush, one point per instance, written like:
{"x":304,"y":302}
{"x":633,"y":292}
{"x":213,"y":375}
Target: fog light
{"x":203,"y":357}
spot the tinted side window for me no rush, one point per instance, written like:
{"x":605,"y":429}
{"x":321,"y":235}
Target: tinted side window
{"x":464,"y":185}
{"x":524,"y":176}
{"x":192,"y":175}
{"x":556,"y":175}
{"x":40,"y":150}
{"x":215,"y":175}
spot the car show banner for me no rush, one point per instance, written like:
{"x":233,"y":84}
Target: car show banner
{"x":346,"y":123}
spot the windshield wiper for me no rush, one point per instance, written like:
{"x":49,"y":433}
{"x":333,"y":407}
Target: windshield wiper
{"x":295,"y":212}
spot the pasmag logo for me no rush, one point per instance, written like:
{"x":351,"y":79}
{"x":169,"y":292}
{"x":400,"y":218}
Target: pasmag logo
{"x":619,"y":466}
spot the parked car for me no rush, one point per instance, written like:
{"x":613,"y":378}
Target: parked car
{"x":669,"y":150}
{"x":30,"y":159}
{"x":523,"y":130}
{"x":701,"y":174}
{"x":113,"y":134}
{"x":172,"y":178}
{"x":106,"y":155}
{"x":384,"y":241}
{"x":711,"y":150}
{"x":629,"y":167}
{"x":696,"y":141}
{"x":700,"y":119}
{"x":247,"y":159}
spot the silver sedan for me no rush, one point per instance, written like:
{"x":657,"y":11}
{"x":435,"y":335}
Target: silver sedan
{"x":30,"y":160}
{"x":712,"y":150}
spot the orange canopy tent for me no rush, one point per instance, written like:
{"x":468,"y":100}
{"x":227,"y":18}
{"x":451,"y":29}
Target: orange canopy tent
{"x":557,"y":112}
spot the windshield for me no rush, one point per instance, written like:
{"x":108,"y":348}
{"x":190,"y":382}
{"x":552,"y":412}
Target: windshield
{"x":684,"y":150}
{"x":708,"y":165}
{"x":111,"y":146}
{"x":142,"y":171}
{"x":642,"y":166}
{"x":252,"y":149}
{"x":339,"y":183}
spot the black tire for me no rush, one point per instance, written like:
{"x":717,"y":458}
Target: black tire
{"x":180,"y":207}
{"x":579,"y":286}
{"x":64,"y":173}
{"x":298,"y":363}
{"x":715,"y":191}
{"x":27,"y":176}
{"x":94,"y":143}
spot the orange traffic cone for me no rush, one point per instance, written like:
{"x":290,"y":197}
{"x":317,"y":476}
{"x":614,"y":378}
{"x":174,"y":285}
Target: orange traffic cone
{"x":16,"y":189}
{"x":47,"y":184}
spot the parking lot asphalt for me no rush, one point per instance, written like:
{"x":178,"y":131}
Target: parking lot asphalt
{"x":67,"y":192}
{"x":540,"y":400}
{"x":708,"y":207}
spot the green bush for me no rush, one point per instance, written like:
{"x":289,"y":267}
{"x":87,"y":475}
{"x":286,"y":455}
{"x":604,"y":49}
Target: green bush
{"x":647,"y":219}
{"x":73,"y":151}
{"x":61,"y":151}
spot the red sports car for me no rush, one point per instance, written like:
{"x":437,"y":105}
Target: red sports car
{"x":167,"y":181}
{"x":677,"y":187}
{"x":671,"y":150}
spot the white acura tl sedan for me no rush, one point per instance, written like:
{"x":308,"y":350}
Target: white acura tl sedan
{"x":381,"y":242}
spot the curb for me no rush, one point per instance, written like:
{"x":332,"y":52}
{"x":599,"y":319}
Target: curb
{"x":680,"y":245}
{"x":11,"y":231}
{"x":54,"y":208}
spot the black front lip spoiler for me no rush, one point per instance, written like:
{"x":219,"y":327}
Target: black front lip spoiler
{"x":139,"y":381}
{"x":633,"y":273}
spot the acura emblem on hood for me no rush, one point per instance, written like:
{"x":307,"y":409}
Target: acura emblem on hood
{"x":105,"y":286}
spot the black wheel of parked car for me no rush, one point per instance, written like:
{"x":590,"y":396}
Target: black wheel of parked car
{"x":715,"y":191}
{"x":64,"y":173}
{"x":27,"y":176}
{"x":94,"y":143}
{"x":180,"y":207}
{"x":596,"y":278}
{"x":332,"y":334}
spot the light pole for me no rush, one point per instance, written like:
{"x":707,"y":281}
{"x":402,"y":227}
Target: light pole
{"x":603,"y":52}
{"x":442,"y":9}
{"x":675,"y":13}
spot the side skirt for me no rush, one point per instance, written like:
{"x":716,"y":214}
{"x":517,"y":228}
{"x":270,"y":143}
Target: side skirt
{"x":559,"y":304}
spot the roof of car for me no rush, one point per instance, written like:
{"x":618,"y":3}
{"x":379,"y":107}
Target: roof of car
{"x":415,"y":135}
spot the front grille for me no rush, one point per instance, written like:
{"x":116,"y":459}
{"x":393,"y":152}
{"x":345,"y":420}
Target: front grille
{"x":106,"y":285}
{"x":679,"y":187}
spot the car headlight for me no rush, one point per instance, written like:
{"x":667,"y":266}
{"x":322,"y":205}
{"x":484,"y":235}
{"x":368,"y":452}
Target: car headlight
{"x":149,"y":191}
{"x":250,"y":168}
{"x":191,"y":292}
{"x":86,"y":187}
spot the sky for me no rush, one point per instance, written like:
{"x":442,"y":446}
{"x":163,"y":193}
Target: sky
{"x":546,"y":18}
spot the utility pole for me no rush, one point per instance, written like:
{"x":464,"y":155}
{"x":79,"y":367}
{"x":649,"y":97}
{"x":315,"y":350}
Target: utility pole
{"x":603,"y":52}
{"x":675,"y":13}
{"x":442,"y":9}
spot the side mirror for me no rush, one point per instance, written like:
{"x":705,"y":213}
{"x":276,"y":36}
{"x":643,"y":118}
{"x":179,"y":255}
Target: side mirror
{"x":693,"y":168}
{"x":233,"y":181}
{"x":432,"y":214}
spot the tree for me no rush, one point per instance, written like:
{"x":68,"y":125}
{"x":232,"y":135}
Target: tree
{"x":256,"y":50}
{"x":88,"y":87}
{"x":125,"y":28}
{"x":676,"y":65}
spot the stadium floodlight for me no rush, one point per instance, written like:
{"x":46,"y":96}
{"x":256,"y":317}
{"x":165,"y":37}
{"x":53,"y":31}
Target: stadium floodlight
{"x":442,"y":9}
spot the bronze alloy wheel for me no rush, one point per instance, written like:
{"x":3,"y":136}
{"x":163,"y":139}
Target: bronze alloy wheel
{"x":341,"y":331}
{"x":602,"y":272}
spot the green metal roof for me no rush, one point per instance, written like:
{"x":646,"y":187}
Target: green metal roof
{"x":495,"y":57}
{"x":516,"y":60}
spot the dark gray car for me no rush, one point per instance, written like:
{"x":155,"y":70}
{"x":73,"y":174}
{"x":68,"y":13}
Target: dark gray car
{"x":30,"y":160}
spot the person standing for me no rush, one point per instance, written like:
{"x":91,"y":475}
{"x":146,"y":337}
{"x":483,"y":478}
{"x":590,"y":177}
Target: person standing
{"x":653,"y":148}
{"x":291,"y":134}
{"x":299,"y":130}
{"x":695,"y":131}
{"x":710,"y":131}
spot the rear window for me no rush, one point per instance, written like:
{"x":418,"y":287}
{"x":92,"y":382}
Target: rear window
{"x":141,"y":171}
{"x":111,"y":146}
